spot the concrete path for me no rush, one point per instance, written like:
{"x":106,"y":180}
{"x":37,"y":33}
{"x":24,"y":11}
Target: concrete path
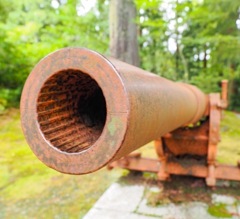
{"x":123,"y":201}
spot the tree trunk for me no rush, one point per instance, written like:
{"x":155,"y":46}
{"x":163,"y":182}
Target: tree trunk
{"x":123,"y":31}
{"x":205,"y":57}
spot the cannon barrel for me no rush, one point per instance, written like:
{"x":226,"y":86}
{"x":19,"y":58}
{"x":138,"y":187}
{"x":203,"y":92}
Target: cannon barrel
{"x":81,"y":110}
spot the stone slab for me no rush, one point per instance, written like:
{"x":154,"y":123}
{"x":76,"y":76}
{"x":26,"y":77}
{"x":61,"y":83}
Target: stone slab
{"x":119,"y":197}
{"x":238,"y":209}
{"x":128,"y":202}
{"x":228,"y":200}
{"x":164,"y":211}
{"x":96,"y":213}
{"x":197,"y":210}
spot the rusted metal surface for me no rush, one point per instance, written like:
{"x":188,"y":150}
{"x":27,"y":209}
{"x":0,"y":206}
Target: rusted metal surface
{"x":188,"y":140}
{"x":226,"y":172}
{"x":190,"y":150}
{"x":80,"y":110}
{"x":162,"y":157}
{"x":214,"y":137}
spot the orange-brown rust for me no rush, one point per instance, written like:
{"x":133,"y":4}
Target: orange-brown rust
{"x":61,"y":122}
{"x":81,"y":111}
{"x":189,"y":150}
{"x":188,"y":140}
{"x":152,"y":165}
{"x":202,"y":101}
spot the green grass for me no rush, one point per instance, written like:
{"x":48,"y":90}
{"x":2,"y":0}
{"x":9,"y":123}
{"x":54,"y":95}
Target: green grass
{"x":28,"y":189}
{"x":229,"y":147}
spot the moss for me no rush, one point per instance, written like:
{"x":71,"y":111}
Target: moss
{"x":229,"y":147}
{"x":29,"y":189}
{"x":149,"y":176}
{"x":157,"y":198}
{"x":219,"y":210}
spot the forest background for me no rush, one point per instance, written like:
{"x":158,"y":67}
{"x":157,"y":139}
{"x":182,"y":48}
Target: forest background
{"x":194,"y":41}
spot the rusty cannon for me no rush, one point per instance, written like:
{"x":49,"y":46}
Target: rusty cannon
{"x":81,"y":111}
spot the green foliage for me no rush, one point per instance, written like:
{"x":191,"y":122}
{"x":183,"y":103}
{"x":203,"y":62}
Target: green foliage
{"x":235,"y":94}
{"x":207,"y":81}
{"x":32,"y":29}
{"x":211,"y":42}
{"x":191,"y":41}
{"x":9,"y":97}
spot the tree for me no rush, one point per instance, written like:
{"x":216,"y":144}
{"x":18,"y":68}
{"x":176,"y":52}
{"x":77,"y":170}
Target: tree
{"x":211,"y":43}
{"x":32,"y":29}
{"x":123,"y":31}
{"x":194,"y":41}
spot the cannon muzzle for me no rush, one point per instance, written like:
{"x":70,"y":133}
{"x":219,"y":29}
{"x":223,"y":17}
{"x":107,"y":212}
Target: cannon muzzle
{"x":81,"y":110}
